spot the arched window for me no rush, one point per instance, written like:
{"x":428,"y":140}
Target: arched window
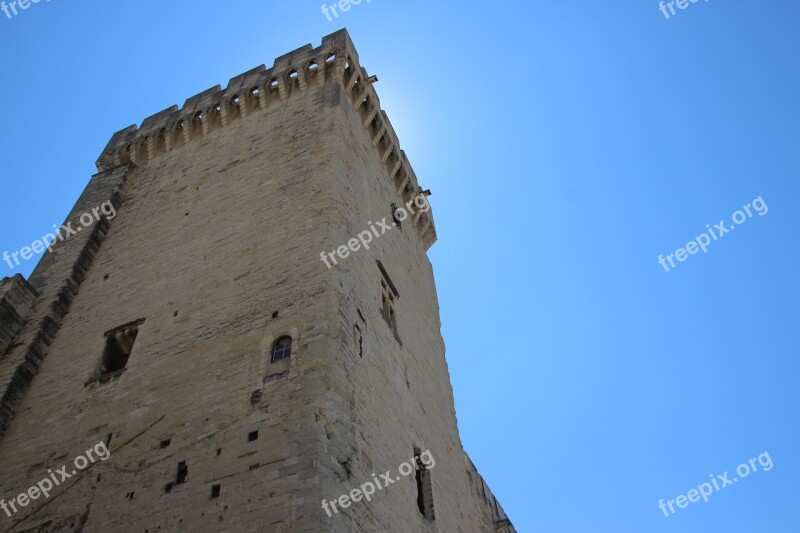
{"x":282,"y":349}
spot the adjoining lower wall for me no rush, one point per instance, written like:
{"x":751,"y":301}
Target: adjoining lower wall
{"x":488,"y":505}
{"x":57,"y":280}
{"x":16,"y":299}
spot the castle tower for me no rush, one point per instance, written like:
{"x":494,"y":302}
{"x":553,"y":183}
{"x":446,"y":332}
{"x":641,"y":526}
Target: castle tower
{"x":195,"y":331}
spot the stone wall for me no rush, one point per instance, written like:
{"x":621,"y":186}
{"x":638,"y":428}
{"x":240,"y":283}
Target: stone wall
{"x":214,"y":253}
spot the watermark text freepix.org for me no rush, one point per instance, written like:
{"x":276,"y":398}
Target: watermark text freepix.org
{"x":43,"y":487}
{"x":38,"y":246}
{"x":704,"y":490}
{"x":11,"y":7}
{"x":702,"y":241}
{"x":682,"y":4}
{"x":425,"y":461}
{"x":343,"y":5}
{"x":365,"y":237}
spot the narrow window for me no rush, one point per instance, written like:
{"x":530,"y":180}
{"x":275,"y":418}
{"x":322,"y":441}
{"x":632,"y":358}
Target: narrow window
{"x":215,"y":489}
{"x":183,"y":473}
{"x":253,"y":435}
{"x":282,"y":349}
{"x":424,"y":488}
{"x":397,"y":221}
{"x":357,"y":331}
{"x":387,"y":306}
{"x":389,"y":296}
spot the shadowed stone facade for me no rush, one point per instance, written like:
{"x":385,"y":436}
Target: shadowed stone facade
{"x":222,"y":210}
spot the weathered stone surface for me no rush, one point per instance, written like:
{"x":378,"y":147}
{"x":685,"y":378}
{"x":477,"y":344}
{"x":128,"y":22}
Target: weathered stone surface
{"x":16,"y":299}
{"x":224,"y":207}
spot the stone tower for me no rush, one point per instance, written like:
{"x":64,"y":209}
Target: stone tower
{"x":196,"y":332}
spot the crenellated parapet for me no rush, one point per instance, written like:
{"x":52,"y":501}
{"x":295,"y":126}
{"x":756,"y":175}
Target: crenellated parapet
{"x":247,"y":95}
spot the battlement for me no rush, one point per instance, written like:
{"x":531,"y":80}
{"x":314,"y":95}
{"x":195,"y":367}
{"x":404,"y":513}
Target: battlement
{"x":335,"y":61}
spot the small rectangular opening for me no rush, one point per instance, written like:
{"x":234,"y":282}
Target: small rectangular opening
{"x":215,"y":490}
{"x":389,"y":297}
{"x":165,"y":443}
{"x":119,"y":344}
{"x":395,"y":218}
{"x":183,"y":473}
{"x":424,"y":488}
{"x":357,"y":331}
{"x":253,"y":435}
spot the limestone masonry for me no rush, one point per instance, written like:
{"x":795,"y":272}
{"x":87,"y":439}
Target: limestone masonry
{"x":236,"y":381}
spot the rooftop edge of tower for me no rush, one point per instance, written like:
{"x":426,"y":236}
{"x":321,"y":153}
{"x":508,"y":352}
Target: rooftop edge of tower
{"x":334,"y":61}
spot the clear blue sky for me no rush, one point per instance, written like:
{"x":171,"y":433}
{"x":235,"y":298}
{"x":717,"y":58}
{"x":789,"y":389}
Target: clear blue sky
{"x":567,"y":145}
